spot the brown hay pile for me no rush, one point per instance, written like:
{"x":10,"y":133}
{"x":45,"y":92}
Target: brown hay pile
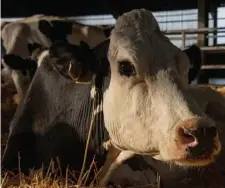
{"x":36,"y":179}
{"x":218,"y":88}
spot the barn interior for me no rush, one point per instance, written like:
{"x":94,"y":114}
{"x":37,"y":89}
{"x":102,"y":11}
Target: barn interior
{"x":200,"y":22}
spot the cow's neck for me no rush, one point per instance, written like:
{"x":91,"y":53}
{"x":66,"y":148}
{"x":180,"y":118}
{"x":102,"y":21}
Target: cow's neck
{"x":92,"y":109}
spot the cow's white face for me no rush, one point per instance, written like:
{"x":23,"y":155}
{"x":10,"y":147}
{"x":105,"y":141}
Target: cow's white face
{"x":147,"y":107}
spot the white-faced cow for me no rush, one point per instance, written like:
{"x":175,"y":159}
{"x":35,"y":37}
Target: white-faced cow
{"x":148,"y":84}
{"x":139,"y":100}
{"x":20,"y":38}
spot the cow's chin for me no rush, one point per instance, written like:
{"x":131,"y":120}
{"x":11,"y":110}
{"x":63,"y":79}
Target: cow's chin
{"x":197,"y":162}
{"x":184,"y":159}
{"x":200,"y":160}
{"x":189,"y":162}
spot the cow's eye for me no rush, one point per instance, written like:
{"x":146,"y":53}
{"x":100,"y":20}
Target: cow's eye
{"x":126,"y":68}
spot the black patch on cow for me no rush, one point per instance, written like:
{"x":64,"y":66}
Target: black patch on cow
{"x":3,"y":50}
{"x":100,"y":84}
{"x":18,"y":141}
{"x":107,"y":31}
{"x":33,"y":46}
{"x":137,"y":163}
{"x":17,"y":63}
{"x":55,"y":30}
{"x":110,"y":184}
{"x":194,"y":54}
{"x":98,"y":121}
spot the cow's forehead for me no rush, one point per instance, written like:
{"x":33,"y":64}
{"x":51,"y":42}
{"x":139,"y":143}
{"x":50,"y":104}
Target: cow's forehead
{"x":140,"y":19}
{"x":133,"y":30}
{"x":137,"y":38}
{"x":132,"y":27}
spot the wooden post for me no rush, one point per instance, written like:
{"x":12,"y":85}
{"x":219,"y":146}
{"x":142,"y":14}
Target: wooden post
{"x":215,"y":25}
{"x":203,"y":20}
{"x":203,"y":77}
{"x":183,"y":39}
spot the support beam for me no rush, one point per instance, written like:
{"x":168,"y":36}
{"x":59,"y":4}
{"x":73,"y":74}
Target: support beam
{"x":214,"y":15}
{"x":213,"y":10}
{"x":203,"y":20}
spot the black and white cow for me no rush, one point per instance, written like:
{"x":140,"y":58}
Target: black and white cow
{"x":139,"y":100}
{"x":21,"y":38}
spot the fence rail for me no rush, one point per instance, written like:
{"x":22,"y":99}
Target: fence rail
{"x":184,"y":32}
{"x":214,"y":69}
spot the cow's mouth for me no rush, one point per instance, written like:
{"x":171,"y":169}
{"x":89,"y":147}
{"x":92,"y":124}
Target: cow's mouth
{"x":202,"y":160}
{"x":196,"y":161}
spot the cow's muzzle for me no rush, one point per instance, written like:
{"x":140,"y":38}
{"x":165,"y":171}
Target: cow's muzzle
{"x":199,"y":140}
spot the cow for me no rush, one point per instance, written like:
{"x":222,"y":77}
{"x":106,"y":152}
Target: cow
{"x":21,"y":72}
{"x":21,"y":37}
{"x":140,"y":101}
{"x":150,"y":90}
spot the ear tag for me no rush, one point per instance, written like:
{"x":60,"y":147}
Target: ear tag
{"x":74,"y":72}
{"x":85,"y":78}
{"x":78,"y":76}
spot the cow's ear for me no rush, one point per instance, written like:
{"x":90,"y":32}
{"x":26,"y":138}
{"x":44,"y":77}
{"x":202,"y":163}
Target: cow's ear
{"x":194,"y":54}
{"x":80,"y":76}
{"x":72,"y":61}
{"x":14,"y":61}
{"x":18,"y":63}
{"x":60,"y":48}
{"x":61,"y":56}
{"x":85,"y":59}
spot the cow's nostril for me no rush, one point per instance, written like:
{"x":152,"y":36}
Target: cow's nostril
{"x":211,"y":131}
{"x":186,"y":138}
{"x":207,"y":133}
{"x":197,"y":137}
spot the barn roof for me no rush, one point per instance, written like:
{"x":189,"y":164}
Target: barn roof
{"x":23,"y":8}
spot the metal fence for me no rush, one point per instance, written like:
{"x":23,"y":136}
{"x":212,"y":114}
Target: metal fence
{"x":182,"y":21}
{"x":188,"y":19}
{"x":192,"y":34}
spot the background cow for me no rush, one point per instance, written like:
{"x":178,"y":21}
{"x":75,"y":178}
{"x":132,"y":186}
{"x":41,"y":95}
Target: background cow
{"x":20,"y":38}
{"x":147,"y":97}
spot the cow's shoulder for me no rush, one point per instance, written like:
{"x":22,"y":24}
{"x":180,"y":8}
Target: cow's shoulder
{"x":14,"y":26}
{"x":3,"y":24}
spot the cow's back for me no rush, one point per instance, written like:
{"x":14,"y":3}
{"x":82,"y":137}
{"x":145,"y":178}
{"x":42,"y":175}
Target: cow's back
{"x":45,"y":30}
{"x":37,"y":17}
